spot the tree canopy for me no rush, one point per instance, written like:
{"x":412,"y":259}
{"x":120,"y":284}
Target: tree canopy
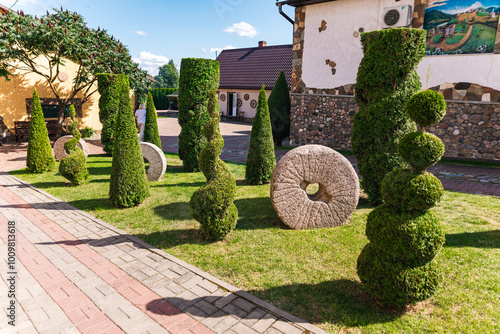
{"x":168,"y":76}
{"x":43,"y":45}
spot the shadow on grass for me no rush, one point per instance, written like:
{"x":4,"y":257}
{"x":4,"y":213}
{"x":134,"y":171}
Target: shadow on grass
{"x":340,"y":302}
{"x":256,"y":213}
{"x":183,"y":184}
{"x":92,"y":204}
{"x":174,"y":238}
{"x":487,"y":239}
{"x":174,"y":211}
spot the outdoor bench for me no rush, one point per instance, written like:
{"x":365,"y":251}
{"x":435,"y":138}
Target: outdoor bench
{"x":22,"y":128}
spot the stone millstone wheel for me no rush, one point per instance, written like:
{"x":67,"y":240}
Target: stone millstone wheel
{"x":156,"y":159}
{"x":336,"y":181}
{"x":60,"y":152}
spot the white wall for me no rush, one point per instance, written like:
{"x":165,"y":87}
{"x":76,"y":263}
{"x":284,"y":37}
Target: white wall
{"x":249,"y":112}
{"x":338,"y":43}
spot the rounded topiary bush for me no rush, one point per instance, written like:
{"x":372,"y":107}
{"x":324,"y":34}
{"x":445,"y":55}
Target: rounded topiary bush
{"x":411,"y":238}
{"x":411,"y":192}
{"x":421,"y":149}
{"x":393,"y":282}
{"x":261,"y":158}
{"x":73,"y":166}
{"x":212,"y":205}
{"x":40,"y":157}
{"x":426,"y":107}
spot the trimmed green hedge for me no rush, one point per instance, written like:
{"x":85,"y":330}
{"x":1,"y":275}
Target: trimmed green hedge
{"x":213,"y":204}
{"x":426,"y":107}
{"x":279,"y":109}
{"x":39,"y":157}
{"x":109,"y":87}
{"x":386,"y":79}
{"x":197,"y":78}
{"x":151,"y":132}
{"x":261,"y":158}
{"x":160,"y":97}
{"x":128,"y":184}
{"x":73,"y":166}
{"x":421,"y":149}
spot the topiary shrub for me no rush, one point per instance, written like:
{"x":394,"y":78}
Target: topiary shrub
{"x":426,"y":107}
{"x":197,"y":78}
{"x":128,"y":184}
{"x":151,"y":133}
{"x":260,"y":159}
{"x":109,"y":87}
{"x":397,"y":265}
{"x":386,"y":79}
{"x":279,"y":109}
{"x":40,"y":157}
{"x":212,"y":205}
{"x":73,"y":166}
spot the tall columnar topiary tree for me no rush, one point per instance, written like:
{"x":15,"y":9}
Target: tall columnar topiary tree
{"x":40,"y":157}
{"x":261,"y":159}
{"x":396,"y":266}
{"x":212,"y":205}
{"x":73,"y":166}
{"x":109,"y":86}
{"x":386,"y":80}
{"x":198,"y":77}
{"x":128,"y":184}
{"x":279,"y":109}
{"x":151,"y":133}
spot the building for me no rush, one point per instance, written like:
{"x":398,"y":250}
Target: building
{"x":326,"y":56}
{"x":244,"y":71}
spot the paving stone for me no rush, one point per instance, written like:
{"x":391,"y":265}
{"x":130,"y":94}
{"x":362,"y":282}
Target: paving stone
{"x":264,"y":323}
{"x":244,"y":304}
{"x":224,"y":324}
{"x":286,"y":327}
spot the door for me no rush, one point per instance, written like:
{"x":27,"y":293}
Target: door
{"x":232,"y":104}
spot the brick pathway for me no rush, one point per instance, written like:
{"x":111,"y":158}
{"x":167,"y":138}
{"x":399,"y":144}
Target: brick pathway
{"x":76,"y":273}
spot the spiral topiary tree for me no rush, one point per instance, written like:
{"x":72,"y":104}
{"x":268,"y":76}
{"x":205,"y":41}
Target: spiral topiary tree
{"x":128,"y":184}
{"x":279,"y":109}
{"x":386,"y":80}
{"x":109,"y":86}
{"x":40,"y":157}
{"x":197,"y":78}
{"x":151,"y":133}
{"x":261,"y":159}
{"x":397,"y":265}
{"x":212,"y":205}
{"x":73,"y":166}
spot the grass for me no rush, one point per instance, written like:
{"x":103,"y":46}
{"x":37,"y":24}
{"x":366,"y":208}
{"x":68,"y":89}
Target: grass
{"x":312,"y":273}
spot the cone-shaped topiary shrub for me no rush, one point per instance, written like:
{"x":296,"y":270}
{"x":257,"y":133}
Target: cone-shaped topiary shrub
{"x":128,"y":184}
{"x":386,"y":80}
{"x":40,"y":157}
{"x":397,"y":265}
{"x":151,"y":133}
{"x":261,"y":159}
{"x":279,"y":109}
{"x":73,"y":166}
{"x":212,"y":205}
{"x":109,"y":87}
{"x":197,"y":78}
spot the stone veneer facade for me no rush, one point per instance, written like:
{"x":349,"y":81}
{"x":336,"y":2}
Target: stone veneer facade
{"x":470,"y":129}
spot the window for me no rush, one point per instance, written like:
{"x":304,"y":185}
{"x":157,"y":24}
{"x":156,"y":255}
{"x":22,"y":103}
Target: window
{"x":51,"y":108}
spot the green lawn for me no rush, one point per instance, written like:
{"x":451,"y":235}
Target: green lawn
{"x":311,"y":274}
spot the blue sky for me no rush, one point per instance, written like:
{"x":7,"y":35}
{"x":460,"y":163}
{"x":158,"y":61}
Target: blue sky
{"x":155,"y":31}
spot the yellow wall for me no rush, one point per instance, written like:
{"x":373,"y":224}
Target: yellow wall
{"x":13,"y":95}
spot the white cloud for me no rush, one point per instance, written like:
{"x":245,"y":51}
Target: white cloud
{"x":140,"y":32}
{"x":203,"y":49}
{"x":242,"y":29}
{"x":218,"y":50}
{"x":150,"y":62}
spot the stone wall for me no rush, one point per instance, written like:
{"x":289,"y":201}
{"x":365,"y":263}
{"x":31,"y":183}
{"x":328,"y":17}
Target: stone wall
{"x":469,"y":130}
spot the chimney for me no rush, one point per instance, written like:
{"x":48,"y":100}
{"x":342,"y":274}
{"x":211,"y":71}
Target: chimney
{"x":262,"y":44}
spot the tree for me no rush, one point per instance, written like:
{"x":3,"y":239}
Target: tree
{"x":213,"y":204}
{"x":43,"y":45}
{"x":39,"y":158}
{"x":198,"y":78}
{"x":261,"y":159}
{"x":279,"y":109}
{"x":128,"y":185}
{"x":168,"y":76}
{"x":151,"y":133}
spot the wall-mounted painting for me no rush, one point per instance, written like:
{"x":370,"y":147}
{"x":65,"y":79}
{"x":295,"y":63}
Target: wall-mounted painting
{"x":461,"y":26}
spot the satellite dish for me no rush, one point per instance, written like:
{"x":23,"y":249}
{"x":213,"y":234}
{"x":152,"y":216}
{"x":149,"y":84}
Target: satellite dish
{"x":62,"y":76}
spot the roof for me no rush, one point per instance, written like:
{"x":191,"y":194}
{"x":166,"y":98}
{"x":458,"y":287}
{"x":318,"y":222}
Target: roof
{"x":249,"y":68}
{"x":4,"y":9}
{"x":296,"y":3}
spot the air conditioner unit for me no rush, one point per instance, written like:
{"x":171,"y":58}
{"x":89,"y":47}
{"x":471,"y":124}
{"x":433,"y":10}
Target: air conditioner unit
{"x":395,"y":17}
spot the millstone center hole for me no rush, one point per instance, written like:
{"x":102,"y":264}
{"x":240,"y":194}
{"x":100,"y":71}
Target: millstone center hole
{"x":316,"y":192}
{"x":312,"y":189}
